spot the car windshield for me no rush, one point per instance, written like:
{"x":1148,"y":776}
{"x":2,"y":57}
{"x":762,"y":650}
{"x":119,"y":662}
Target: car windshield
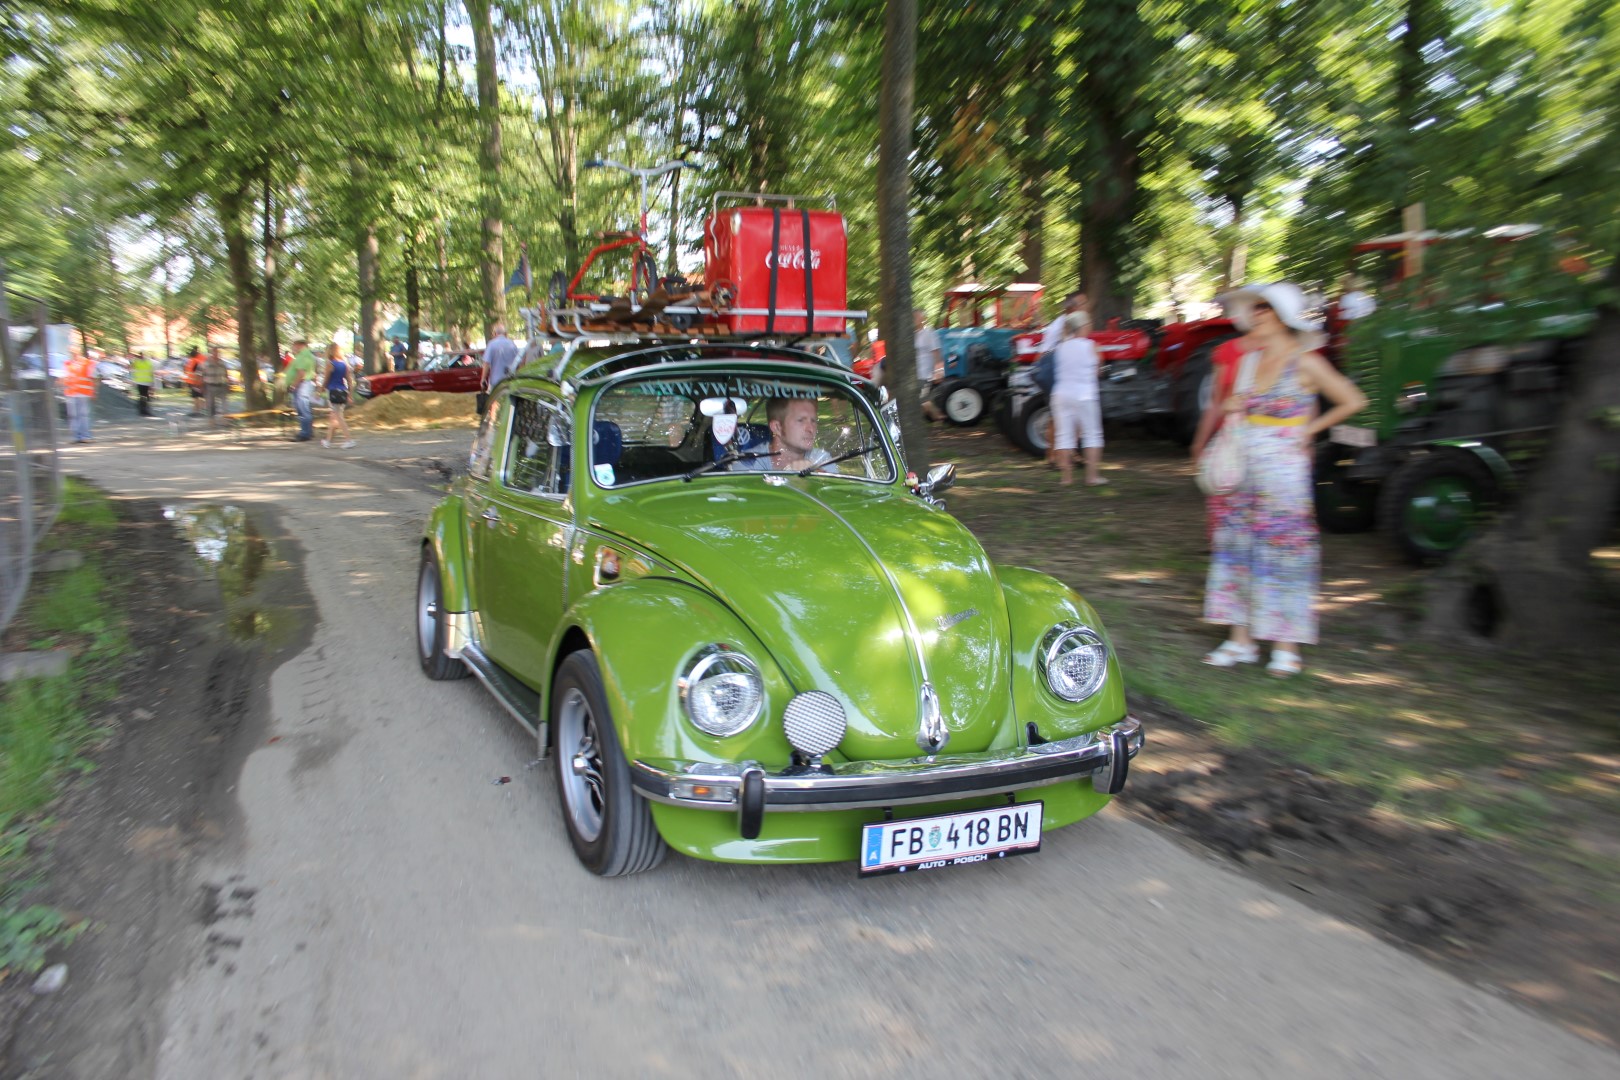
{"x":661,"y":427}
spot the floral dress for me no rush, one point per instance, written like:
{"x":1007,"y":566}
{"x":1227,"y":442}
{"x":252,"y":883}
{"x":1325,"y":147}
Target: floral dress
{"x":1265,"y":560}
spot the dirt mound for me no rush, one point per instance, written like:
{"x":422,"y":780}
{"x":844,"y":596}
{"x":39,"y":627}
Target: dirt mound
{"x":410,"y":410}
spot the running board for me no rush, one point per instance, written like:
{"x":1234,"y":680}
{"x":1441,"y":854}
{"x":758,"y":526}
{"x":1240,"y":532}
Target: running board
{"x":517,"y":699}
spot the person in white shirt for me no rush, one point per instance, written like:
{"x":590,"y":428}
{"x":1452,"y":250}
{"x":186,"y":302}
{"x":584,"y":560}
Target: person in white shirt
{"x":1075,"y":301}
{"x":1354,"y":302}
{"x":1076,"y":404}
{"x":930,"y":364}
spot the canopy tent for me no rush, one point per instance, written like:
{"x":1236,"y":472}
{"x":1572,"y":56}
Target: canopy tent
{"x":399,"y":328}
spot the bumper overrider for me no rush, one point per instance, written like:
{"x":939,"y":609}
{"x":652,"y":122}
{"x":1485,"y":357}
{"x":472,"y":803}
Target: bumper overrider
{"x":749,"y":790}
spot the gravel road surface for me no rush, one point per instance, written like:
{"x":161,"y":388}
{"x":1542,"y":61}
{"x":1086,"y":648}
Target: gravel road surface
{"x":386,"y":909}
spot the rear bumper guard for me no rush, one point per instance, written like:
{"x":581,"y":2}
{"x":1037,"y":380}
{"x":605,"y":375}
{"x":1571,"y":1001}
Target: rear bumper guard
{"x":747,"y":787}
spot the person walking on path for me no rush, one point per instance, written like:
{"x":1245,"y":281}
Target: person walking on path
{"x":141,"y":374}
{"x":1266,"y":558}
{"x":500,"y":359}
{"x":216,"y":380}
{"x":1076,"y":403}
{"x":930,"y":364}
{"x":337,"y":398}
{"x":301,"y":389}
{"x":194,"y":381}
{"x":79,"y":387}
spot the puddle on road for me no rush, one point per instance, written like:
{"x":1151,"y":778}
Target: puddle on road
{"x":242,"y":559}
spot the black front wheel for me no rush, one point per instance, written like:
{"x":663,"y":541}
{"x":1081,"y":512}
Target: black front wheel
{"x":1433,"y":504}
{"x":609,"y":825}
{"x":1032,"y":424}
{"x":431,"y":622}
{"x":1342,"y":505}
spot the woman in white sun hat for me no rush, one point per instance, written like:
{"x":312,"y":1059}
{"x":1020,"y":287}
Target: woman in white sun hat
{"x":1265,"y":558}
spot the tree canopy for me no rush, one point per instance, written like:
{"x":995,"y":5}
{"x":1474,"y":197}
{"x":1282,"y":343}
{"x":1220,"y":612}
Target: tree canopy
{"x":210,"y":160}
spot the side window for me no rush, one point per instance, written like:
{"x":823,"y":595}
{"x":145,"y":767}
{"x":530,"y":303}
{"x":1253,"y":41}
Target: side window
{"x":537,"y":448}
{"x":484,"y":442}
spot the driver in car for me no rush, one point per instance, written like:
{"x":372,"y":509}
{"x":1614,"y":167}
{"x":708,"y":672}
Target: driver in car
{"x":792,"y":422}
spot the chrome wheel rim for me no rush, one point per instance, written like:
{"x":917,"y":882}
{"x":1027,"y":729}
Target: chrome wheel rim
{"x":579,"y":750}
{"x":427,"y":609}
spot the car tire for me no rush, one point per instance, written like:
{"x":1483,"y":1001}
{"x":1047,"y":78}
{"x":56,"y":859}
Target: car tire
{"x":1431,"y":505}
{"x":1342,"y":505}
{"x":609,"y":825}
{"x":430,"y":623}
{"x":961,"y":402}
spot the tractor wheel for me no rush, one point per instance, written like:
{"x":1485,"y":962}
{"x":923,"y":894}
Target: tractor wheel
{"x":1194,"y":385}
{"x":1029,"y":425}
{"x":1001,"y":407}
{"x":1433,"y":503}
{"x":1342,"y":505}
{"x":961,"y":402}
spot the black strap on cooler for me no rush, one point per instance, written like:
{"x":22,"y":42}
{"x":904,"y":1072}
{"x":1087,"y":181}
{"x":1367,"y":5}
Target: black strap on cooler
{"x":809,"y":283}
{"x":776,"y":259}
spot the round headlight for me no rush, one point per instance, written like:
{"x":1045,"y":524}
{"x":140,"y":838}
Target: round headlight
{"x":722,"y":691}
{"x":1074,"y":660}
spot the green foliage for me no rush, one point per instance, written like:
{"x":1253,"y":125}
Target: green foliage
{"x":1169,"y":146}
{"x":27,"y":931}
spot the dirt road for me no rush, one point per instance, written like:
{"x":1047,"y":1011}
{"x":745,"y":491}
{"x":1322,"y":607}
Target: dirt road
{"x":381,"y":907}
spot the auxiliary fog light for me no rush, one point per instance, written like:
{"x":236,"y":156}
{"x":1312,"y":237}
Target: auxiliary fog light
{"x":814,"y":723}
{"x":1074,"y":660}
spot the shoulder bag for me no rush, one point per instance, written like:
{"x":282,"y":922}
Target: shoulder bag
{"x":1045,"y":371}
{"x":1220,"y":467}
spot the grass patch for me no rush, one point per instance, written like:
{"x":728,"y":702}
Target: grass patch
{"x":45,"y":723}
{"x":1507,"y":744}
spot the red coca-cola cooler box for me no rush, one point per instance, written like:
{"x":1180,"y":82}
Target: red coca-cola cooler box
{"x":808,"y":249}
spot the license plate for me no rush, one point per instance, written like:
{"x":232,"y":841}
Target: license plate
{"x":933,"y":843}
{"x":1350,"y":435}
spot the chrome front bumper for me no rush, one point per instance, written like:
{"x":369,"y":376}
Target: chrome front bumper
{"x":1103,"y":755}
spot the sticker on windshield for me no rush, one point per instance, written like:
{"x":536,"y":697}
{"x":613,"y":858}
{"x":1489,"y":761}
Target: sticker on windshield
{"x":603,"y":473}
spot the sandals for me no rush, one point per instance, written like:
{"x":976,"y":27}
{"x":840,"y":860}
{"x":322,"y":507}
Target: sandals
{"x":1284,"y":664}
{"x":1230,"y":654}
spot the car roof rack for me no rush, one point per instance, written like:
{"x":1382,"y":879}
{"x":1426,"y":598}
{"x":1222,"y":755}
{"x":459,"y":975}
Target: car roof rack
{"x":665,"y":351}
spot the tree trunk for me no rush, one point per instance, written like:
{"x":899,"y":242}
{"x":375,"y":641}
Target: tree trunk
{"x":894,"y":227}
{"x":413,"y":314}
{"x":1532,"y":572}
{"x":366,"y":251}
{"x":489,"y":163}
{"x":1107,"y":207}
{"x":271,"y":244}
{"x":232,"y":205}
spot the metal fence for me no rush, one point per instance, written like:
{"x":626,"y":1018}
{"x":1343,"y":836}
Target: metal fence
{"x":30,"y":477}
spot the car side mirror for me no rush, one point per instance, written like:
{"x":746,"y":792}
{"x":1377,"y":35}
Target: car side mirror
{"x":940,"y":477}
{"x":556,"y":432}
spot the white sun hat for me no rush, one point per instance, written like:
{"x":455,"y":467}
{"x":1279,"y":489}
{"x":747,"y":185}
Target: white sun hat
{"x":1287,"y":302}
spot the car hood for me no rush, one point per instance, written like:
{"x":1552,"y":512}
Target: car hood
{"x":855,"y":589}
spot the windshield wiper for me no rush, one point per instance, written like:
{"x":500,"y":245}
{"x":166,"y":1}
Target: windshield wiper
{"x":859,"y":451}
{"x":730,"y":458}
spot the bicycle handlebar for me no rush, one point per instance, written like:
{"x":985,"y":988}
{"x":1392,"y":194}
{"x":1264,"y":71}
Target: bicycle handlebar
{"x":655,"y":170}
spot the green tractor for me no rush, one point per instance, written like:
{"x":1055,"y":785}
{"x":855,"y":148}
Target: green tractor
{"x":1465,"y":367}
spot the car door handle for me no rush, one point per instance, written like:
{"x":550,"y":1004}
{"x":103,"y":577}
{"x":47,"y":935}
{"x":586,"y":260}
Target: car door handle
{"x":492,"y":515}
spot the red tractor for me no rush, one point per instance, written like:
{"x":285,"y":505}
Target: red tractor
{"x":1154,"y":374}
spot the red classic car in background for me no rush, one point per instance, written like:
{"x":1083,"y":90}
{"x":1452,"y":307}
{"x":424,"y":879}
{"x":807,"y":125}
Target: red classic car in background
{"x":459,"y":376}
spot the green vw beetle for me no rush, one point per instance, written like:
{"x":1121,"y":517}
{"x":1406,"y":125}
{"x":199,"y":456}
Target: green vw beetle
{"x":701,"y":573}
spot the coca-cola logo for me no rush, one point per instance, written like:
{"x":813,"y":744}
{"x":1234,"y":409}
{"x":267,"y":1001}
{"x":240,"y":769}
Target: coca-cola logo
{"x":793,"y":259}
